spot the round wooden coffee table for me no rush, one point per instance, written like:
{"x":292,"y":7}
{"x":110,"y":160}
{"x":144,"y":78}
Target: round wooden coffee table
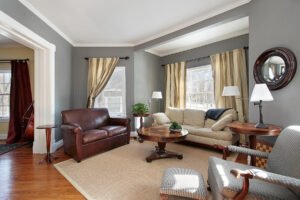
{"x":162,"y":136}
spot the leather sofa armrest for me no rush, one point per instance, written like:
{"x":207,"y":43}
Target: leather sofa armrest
{"x":119,"y":121}
{"x":74,"y":127}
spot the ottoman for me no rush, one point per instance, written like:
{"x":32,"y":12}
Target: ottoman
{"x":181,"y":183}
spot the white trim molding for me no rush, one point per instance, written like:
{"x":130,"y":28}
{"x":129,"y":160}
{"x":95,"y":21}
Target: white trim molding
{"x":30,"y":7}
{"x":44,"y":62}
{"x":57,"y":145}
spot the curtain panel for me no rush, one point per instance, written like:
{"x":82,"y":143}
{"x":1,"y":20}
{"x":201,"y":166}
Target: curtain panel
{"x":20,"y":100}
{"x":175,"y":81}
{"x":229,"y":69}
{"x":99,"y":72}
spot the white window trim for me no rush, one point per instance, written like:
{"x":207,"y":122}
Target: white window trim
{"x":198,"y":68}
{"x":5,"y":119}
{"x":124,"y":113}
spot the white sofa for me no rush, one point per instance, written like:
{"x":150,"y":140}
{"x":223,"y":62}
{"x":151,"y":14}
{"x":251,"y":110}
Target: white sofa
{"x":207,"y":132}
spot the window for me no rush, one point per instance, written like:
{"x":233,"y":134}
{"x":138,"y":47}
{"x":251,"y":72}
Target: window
{"x":113,"y":95}
{"x":5,"y":77}
{"x":200,"y":88}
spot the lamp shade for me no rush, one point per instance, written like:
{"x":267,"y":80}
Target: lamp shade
{"x":230,"y":91}
{"x":156,"y":95}
{"x":261,"y":92}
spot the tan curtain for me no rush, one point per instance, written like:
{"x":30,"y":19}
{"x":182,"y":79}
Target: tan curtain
{"x":229,"y":68}
{"x":175,"y":85}
{"x":99,"y":72}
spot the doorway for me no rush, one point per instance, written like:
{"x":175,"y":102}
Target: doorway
{"x":44,"y":62}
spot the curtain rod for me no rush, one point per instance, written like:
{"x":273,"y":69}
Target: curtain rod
{"x":9,"y":60}
{"x":203,"y":57}
{"x":124,"y":58}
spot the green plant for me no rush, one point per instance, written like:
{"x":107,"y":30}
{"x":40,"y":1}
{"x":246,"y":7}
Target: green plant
{"x":140,"y":108}
{"x":175,"y":126}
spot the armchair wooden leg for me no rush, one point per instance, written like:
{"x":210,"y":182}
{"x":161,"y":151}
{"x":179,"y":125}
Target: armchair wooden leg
{"x":208,"y":186}
{"x":226,"y":153}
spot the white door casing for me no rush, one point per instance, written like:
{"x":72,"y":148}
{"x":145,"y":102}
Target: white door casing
{"x":44,"y":88}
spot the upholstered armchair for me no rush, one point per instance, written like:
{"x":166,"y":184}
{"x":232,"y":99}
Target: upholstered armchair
{"x":280,"y":180}
{"x":87,"y":132}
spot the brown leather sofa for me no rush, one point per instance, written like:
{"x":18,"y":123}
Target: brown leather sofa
{"x":87,"y":132}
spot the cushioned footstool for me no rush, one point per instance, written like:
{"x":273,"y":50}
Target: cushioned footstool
{"x":180,"y":183}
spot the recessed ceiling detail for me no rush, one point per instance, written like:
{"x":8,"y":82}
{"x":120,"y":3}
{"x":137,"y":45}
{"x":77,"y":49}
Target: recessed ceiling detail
{"x":126,"y":22}
{"x":203,"y":37}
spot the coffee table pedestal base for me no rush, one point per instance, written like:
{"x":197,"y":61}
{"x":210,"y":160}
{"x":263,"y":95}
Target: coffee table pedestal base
{"x":161,"y":153}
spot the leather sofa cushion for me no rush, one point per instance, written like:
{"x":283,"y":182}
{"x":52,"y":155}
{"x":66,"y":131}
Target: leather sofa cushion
{"x":114,"y":130}
{"x":194,"y":117}
{"x":175,"y":114}
{"x":86,"y":118}
{"x":93,"y":135}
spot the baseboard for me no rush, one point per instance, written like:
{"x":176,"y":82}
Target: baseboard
{"x":57,"y":145}
{"x":3,"y":136}
{"x":133,"y":134}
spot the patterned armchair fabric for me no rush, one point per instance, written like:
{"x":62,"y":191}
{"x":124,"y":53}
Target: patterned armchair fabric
{"x":280,"y":181}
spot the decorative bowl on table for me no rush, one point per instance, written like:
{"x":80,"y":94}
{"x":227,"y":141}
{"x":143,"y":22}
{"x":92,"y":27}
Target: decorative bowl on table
{"x":175,"y":128}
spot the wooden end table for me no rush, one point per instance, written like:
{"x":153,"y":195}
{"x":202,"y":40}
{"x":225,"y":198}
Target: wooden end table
{"x":162,"y":136}
{"x":48,"y":157}
{"x":250,"y":130}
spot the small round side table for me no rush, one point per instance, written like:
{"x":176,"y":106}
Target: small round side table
{"x":250,"y":130}
{"x":48,"y":157}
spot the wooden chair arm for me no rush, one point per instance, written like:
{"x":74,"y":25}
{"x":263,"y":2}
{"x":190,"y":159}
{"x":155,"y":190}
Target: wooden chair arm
{"x":245,"y":189}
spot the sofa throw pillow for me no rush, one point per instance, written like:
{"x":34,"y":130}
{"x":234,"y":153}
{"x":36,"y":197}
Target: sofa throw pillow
{"x":175,"y":114}
{"x":194,"y":117}
{"x":209,"y":123}
{"x":221,"y":123}
{"x":161,"y":118}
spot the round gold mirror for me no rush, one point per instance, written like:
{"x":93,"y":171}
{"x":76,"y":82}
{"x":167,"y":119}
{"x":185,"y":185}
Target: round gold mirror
{"x":276,"y":67}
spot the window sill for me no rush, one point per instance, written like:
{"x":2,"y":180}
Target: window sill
{"x":4,"y":120}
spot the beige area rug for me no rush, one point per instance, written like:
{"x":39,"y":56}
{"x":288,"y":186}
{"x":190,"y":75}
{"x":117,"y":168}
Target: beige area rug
{"x":123,"y":173}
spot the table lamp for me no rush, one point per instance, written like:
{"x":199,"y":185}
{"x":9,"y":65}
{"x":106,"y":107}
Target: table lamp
{"x":157,"y":95}
{"x":259,"y":94}
{"x":229,"y":91}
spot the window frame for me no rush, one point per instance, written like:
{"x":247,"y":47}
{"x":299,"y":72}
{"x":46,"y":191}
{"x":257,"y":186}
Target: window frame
{"x":123,"y":97}
{"x":6,"y":118}
{"x":190,"y":70}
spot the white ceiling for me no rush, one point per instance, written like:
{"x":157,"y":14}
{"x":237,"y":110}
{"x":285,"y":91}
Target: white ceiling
{"x":123,"y":22}
{"x":203,"y":37}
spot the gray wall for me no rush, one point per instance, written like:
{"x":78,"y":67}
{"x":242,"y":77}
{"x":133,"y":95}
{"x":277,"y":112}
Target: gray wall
{"x":148,"y":77}
{"x":276,"y":23}
{"x":63,"y":54}
{"x":225,"y":45}
{"x":80,"y":71}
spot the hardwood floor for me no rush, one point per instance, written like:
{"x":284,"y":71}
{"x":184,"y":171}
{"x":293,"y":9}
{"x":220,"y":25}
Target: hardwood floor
{"x":22,"y":177}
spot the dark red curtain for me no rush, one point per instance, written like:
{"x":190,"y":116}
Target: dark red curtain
{"x":20,"y":99}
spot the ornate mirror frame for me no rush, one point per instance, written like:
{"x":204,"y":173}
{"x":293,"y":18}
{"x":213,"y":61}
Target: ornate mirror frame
{"x":290,"y":67}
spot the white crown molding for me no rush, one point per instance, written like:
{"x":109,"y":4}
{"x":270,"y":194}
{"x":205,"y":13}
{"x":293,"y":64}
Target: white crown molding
{"x":46,"y":20}
{"x":196,"y":20}
{"x":153,"y":52}
{"x":103,"y":45}
{"x":225,"y":37}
